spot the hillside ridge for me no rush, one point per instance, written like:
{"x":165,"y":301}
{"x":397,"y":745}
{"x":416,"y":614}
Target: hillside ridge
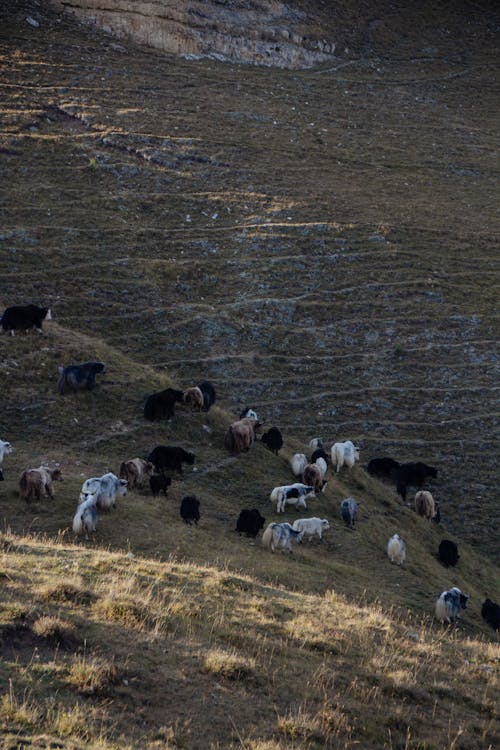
{"x":115,"y":628}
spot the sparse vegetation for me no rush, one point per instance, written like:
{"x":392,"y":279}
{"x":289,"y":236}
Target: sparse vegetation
{"x":321,"y":245}
{"x":20,"y":712}
{"x":230,"y":665}
{"x":66,"y":592}
{"x":319,"y":668}
{"x":91,"y":676}
{"x":54,"y":629}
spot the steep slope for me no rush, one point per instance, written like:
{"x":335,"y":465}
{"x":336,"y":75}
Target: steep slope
{"x":90,"y":433}
{"x":104,"y":651}
{"x":263,"y":32}
{"x":322,"y":246}
{"x":296,"y":34}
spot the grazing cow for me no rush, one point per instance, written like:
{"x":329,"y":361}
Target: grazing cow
{"x":313,"y":476}
{"x":315,"y":444}
{"x":34,"y":482}
{"x":161,"y":405}
{"x":105,"y":488}
{"x":319,"y":453}
{"x":490,"y":612}
{"x":449,"y":603}
{"x":311,"y":526}
{"x":383,"y":467}
{"x":349,"y":510}
{"x":413,"y":474}
{"x":159,"y":483}
{"x":79,"y":377}
{"x":273,"y":439}
{"x":280,"y":536}
{"x":24,"y":317}
{"x":241,"y":434}
{"x":344,"y":454}
{"x":248,"y":412}
{"x":425,"y":505}
{"x":448,"y":553}
{"x":208,"y":392}
{"x":85,"y":519}
{"x":298,"y":462}
{"x":171,"y":457}
{"x":291,"y":494}
{"x":190,"y":509}
{"x":134,"y":471}
{"x":396,"y":549}
{"x":250,"y":522}
{"x":193,"y":397}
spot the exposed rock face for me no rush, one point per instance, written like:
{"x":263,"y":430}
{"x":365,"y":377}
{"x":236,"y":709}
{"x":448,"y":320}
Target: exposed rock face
{"x":264,"y":32}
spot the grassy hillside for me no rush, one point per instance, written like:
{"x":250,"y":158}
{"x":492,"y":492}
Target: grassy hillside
{"x":322,"y":246}
{"x":104,"y":651}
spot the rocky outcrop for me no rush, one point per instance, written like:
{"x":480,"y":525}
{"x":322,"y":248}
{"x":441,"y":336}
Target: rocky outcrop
{"x":263,"y":32}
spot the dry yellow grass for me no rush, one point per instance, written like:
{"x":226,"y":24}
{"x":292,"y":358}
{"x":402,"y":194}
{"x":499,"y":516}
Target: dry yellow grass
{"x":275,"y":667}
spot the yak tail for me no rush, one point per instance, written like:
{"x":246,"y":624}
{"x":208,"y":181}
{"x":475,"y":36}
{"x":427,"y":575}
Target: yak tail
{"x":267,"y":536}
{"x":77,"y":521}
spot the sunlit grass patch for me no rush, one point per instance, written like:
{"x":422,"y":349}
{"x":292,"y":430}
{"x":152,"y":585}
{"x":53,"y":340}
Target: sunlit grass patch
{"x":328,"y":724}
{"x":229,"y":582}
{"x":21,"y":712}
{"x":76,"y":721}
{"x":26,"y":713}
{"x":316,"y":634}
{"x":12,"y":612}
{"x":54,"y":630}
{"x":148,"y":608}
{"x":229,"y":665}
{"x":66,"y":592}
{"x":91,"y":675}
{"x":126,"y":612}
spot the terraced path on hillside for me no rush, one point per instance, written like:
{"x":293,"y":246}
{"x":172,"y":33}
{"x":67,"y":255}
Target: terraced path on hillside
{"x":320,"y":244}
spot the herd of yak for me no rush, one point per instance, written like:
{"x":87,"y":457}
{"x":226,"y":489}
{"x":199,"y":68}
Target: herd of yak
{"x":100,"y":492}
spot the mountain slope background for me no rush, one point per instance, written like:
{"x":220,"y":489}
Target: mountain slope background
{"x":321,"y":244}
